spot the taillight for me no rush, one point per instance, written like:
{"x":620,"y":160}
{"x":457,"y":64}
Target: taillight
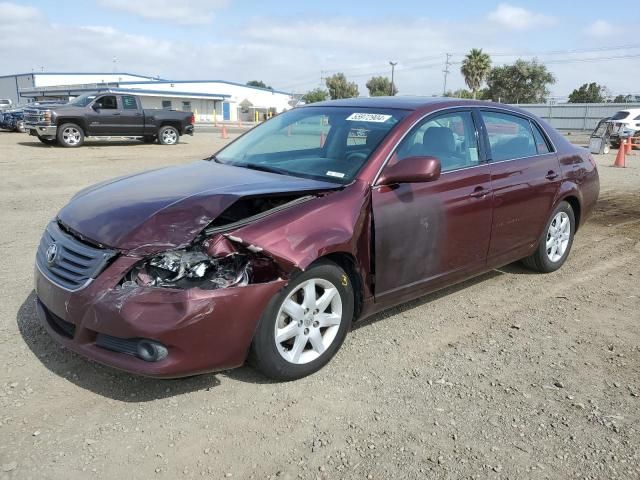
{"x":193,"y":119}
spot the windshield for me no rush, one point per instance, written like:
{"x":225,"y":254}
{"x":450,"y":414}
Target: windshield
{"x":620,"y":115}
{"x":322,"y":143}
{"x":84,"y":100}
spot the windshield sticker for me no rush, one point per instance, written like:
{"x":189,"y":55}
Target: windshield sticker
{"x":368,"y":117}
{"x":334,"y":174}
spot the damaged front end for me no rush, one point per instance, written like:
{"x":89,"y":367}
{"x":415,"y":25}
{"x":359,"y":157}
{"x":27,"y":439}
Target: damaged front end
{"x":209,"y":265}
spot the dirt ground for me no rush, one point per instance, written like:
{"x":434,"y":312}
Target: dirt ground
{"x":510,"y":375}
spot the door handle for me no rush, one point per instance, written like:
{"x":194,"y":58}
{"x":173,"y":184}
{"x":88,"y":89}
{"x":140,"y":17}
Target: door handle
{"x":551,"y":175}
{"x":479,"y":192}
{"x":115,"y":114}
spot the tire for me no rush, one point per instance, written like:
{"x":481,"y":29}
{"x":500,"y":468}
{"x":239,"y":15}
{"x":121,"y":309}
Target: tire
{"x":149,"y":139}
{"x":70,"y":135}
{"x":168,"y":135}
{"x":306,"y":344}
{"x":48,"y":141}
{"x":20,"y":127}
{"x":606,"y":148}
{"x":555,"y":245}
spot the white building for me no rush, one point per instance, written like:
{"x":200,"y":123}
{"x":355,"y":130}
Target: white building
{"x":210,"y":100}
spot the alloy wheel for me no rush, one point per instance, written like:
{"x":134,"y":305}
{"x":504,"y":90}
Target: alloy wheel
{"x":558,"y":236}
{"x":71,"y":136}
{"x":169,"y":136}
{"x":308,"y":321}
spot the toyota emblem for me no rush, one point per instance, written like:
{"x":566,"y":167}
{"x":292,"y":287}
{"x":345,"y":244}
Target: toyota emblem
{"x":52,"y":253}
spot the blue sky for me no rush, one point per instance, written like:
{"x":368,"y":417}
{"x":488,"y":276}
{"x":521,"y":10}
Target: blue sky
{"x":289,"y":43}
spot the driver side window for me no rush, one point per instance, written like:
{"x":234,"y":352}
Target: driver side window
{"x":450,"y":137}
{"x":108,"y":102}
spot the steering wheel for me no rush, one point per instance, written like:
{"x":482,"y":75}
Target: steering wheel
{"x":355,"y":156}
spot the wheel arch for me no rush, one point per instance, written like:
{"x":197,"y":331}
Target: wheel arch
{"x":75,"y":120}
{"x":348,"y":263}
{"x":170,"y":123}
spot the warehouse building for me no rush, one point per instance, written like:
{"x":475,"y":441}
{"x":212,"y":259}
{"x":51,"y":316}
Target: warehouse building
{"x":209,"y":100}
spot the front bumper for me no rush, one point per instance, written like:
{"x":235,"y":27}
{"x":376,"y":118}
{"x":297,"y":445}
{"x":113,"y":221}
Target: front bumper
{"x":203,"y":330}
{"x":41,"y":130}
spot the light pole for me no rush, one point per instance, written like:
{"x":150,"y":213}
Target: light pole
{"x":393,"y":66}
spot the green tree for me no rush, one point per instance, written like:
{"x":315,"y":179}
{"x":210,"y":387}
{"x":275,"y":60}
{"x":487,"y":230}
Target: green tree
{"x":316,"y":95}
{"x":475,"y":68}
{"x":259,"y":84}
{"x":380,"y":87}
{"x":588,"y":93}
{"x":339,"y":87}
{"x":622,"y":99}
{"x":522,"y":82}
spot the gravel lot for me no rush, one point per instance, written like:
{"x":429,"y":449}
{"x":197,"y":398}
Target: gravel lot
{"x":510,"y":375}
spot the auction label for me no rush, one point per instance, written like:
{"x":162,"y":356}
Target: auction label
{"x":368,"y":117}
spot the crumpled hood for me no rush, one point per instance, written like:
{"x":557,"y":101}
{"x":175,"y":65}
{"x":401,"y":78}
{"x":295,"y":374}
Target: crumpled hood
{"x":166,"y":208}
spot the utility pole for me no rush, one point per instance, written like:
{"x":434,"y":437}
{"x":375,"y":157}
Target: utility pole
{"x":446,"y":72}
{"x":393,"y":66}
{"x":322,"y":77}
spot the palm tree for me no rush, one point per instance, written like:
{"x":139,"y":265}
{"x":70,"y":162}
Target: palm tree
{"x":475,"y":68}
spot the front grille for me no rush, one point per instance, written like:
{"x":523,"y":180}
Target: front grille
{"x":31,"y":115}
{"x":62,"y":327}
{"x":68,"y":262}
{"x":128,"y":346}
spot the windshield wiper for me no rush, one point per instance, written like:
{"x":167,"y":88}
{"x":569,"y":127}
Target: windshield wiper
{"x":263,"y":168}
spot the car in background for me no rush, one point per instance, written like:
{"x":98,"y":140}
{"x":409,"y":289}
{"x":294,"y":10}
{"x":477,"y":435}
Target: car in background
{"x":625,"y":123}
{"x":320,"y":216}
{"x":5,"y":103}
{"x":106,"y":114}
{"x":12,"y":120}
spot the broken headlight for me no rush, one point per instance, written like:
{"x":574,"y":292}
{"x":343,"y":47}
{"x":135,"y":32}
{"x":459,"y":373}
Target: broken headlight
{"x":192,"y":268}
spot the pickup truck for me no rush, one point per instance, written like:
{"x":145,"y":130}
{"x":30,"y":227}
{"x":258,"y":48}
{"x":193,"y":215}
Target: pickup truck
{"x":106,"y":114}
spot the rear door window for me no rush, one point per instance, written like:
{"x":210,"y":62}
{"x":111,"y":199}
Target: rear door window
{"x":510,"y":136}
{"x":129,"y":102}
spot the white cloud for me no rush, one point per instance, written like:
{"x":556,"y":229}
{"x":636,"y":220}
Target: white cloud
{"x":286,"y":53}
{"x":184,"y":12}
{"x":17,"y":13}
{"x":518,"y":18}
{"x":600,"y":28}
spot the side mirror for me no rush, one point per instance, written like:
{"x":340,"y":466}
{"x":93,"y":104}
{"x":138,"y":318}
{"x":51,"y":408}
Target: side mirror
{"x":411,"y":170}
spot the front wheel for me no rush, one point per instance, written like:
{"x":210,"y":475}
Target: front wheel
{"x":555,"y":245}
{"x":20,"y":126}
{"x":168,"y":135}
{"x":70,"y":135}
{"x":304,"y":325}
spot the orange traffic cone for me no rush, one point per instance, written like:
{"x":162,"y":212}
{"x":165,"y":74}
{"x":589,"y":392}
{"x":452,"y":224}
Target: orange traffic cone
{"x":620,"y":160}
{"x":627,"y":146}
{"x":224,"y":133}
{"x":321,"y":139}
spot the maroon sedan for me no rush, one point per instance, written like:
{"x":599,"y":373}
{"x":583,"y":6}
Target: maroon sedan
{"x":271,"y":248}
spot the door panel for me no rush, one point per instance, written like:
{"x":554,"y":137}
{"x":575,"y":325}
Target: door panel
{"x":131,"y":120}
{"x":525,"y":179}
{"x":429,"y":234}
{"x":105,"y":118}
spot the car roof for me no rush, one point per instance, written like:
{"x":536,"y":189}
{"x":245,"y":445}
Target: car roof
{"x":400,"y":102}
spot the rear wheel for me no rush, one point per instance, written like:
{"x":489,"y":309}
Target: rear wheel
{"x":20,"y":126}
{"x":70,"y":135}
{"x":48,"y":141}
{"x":304,"y":325}
{"x":555,"y":245}
{"x":168,"y":135}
